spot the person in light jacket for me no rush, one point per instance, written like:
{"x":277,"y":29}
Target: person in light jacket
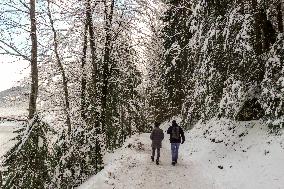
{"x":156,"y":136}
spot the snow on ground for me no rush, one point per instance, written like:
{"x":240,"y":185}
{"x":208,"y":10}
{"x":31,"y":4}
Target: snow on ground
{"x":6,"y":133}
{"x":239,"y":154}
{"x":17,"y":112}
{"x":221,"y":154}
{"x":11,"y":114}
{"x":131,"y":167}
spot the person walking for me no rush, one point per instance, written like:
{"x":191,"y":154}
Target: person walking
{"x":176,"y":137}
{"x":156,"y":136}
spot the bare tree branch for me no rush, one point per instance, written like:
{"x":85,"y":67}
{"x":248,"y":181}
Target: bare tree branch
{"x":15,"y":52}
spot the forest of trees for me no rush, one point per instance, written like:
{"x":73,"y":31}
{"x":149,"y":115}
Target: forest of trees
{"x":221,"y":59}
{"x":103,"y":70}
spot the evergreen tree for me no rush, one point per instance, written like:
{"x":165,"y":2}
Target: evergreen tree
{"x":76,"y":157}
{"x":227,"y":45}
{"x":123,"y":106}
{"x":27,"y":164}
{"x":177,"y":64}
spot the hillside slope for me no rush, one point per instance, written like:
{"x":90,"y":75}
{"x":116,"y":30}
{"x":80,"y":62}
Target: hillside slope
{"x":221,"y":154}
{"x":14,"y":102}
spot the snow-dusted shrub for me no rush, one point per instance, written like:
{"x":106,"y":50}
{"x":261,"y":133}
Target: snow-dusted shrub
{"x":233,"y":97}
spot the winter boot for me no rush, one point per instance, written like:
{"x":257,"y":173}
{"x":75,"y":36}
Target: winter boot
{"x":173,"y":163}
{"x":157,"y":161}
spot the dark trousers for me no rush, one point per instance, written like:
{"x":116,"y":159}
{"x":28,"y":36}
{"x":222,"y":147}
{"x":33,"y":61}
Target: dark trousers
{"x":158,"y":152}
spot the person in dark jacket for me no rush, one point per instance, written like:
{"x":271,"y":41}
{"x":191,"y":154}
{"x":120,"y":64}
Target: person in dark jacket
{"x":156,"y":136}
{"x":176,"y":137}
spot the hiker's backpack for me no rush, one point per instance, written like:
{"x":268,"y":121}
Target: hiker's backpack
{"x":175,"y":133}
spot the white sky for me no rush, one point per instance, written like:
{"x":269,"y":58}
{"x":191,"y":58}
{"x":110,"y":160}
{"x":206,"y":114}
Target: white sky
{"x":11,"y":71}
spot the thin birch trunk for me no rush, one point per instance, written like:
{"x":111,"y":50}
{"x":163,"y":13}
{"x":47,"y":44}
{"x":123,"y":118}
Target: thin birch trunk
{"x":64,"y":78}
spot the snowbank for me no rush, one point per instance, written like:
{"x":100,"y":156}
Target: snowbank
{"x":239,"y":154}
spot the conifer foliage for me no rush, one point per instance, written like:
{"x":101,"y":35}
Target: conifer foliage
{"x":223,"y":59}
{"x":27,"y":164}
{"x":75,"y":158}
{"x":176,"y":34}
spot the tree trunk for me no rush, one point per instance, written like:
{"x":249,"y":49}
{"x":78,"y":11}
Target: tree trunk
{"x":280,"y":16}
{"x":242,"y":6}
{"x":89,"y":28}
{"x":106,"y":61}
{"x":84,"y":75}
{"x":268,"y":32}
{"x":92,"y":41}
{"x":93,"y":87}
{"x":258,"y":46}
{"x":282,"y":10}
{"x":257,"y":28}
{"x":1,"y":182}
{"x":64,"y":78}
{"x":34,"y":69}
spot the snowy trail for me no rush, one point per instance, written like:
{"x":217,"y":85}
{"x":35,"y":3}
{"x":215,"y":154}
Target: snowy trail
{"x":135,"y":169}
{"x":147,"y":174}
{"x":221,"y":154}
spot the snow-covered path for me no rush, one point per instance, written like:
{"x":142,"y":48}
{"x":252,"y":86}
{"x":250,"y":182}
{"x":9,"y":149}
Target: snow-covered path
{"x":221,"y":154}
{"x":142,"y":173}
{"x":132,"y":168}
